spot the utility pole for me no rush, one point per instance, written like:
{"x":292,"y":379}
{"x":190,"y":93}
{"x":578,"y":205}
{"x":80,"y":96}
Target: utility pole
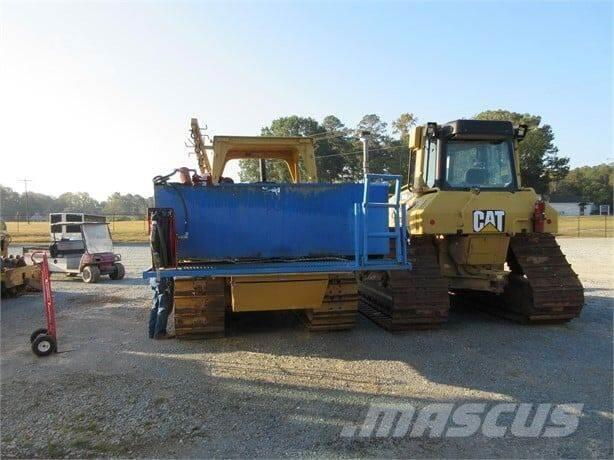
{"x":364,"y":138}
{"x":25,"y":186}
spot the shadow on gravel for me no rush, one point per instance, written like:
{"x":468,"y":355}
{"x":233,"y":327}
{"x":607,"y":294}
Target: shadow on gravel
{"x":306,"y":417}
{"x":473,"y":351}
{"x":58,"y":280}
{"x":259,"y":392}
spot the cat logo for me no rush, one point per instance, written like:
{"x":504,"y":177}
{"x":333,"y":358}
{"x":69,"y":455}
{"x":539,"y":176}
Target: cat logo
{"x":488,"y":219}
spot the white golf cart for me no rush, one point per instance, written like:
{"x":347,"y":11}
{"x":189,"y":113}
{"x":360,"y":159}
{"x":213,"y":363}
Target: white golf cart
{"x":87,"y":252}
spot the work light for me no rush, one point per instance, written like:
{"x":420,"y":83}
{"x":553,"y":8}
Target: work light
{"x":521,"y":130}
{"x":431,"y":129}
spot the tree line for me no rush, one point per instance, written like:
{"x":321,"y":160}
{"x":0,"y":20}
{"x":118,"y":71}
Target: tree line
{"x":338,"y":149}
{"x":587,"y":184}
{"x":338,"y":152}
{"x":13,"y":205}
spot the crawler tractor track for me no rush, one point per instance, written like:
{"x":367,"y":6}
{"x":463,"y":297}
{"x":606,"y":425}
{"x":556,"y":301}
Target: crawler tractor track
{"x":201,"y":303}
{"x":542,"y":287}
{"x":339,"y":306}
{"x":200,"y":307}
{"x":407,"y":299}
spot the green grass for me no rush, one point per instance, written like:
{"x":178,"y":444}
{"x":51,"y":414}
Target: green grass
{"x":80,"y":443}
{"x":55,"y":450}
{"x":38,"y":232}
{"x":586,"y":226}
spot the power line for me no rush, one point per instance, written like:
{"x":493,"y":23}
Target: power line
{"x":359,"y":152}
{"x":326,"y":136}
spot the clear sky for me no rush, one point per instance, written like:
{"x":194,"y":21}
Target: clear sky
{"x":97,"y":96}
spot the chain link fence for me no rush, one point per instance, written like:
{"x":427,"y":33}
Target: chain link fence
{"x":124,"y":228}
{"x":133,"y":228}
{"x":586,"y":226}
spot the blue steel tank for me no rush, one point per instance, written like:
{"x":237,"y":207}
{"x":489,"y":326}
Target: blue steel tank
{"x":272,"y":221}
{"x":264,"y":246}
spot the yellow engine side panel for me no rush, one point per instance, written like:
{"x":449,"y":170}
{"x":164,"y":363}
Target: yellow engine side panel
{"x":478,"y":249}
{"x":488,"y":212}
{"x":287,"y":292}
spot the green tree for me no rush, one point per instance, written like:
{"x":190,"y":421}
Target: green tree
{"x":335,"y":156}
{"x":125,"y":205}
{"x":78,"y":202}
{"x":9,"y":203}
{"x":338,"y":148}
{"x":540,"y":164}
{"x":589,"y":184}
{"x":13,"y":203}
{"x":277,"y":171}
{"x":39,"y":203}
{"x":382,"y":158}
{"x":402,"y":127}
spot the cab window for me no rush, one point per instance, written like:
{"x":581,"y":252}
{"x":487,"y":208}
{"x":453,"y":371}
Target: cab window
{"x":479,"y":164}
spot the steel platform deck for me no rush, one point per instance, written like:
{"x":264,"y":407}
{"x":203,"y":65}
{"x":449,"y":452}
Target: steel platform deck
{"x":273,"y":268}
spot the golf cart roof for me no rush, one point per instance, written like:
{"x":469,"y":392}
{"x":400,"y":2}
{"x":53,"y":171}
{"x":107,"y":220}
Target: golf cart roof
{"x":64,"y":222}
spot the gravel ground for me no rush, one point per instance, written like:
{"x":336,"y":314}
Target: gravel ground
{"x":273,"y":389}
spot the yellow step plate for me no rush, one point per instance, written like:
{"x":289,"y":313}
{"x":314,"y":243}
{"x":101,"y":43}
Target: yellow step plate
{"x":287,"y":292}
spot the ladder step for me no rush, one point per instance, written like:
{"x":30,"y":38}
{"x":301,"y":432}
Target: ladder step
{"x":400,"y":224}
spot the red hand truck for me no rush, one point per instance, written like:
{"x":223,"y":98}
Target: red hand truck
{"x":44,"y":341}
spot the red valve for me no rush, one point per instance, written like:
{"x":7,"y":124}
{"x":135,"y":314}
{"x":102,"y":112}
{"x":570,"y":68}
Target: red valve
{"x":539,"y":216}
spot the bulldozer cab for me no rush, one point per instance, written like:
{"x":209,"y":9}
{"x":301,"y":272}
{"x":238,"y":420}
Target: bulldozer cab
{"x":294,"y":151}
{"x":465,"y":155}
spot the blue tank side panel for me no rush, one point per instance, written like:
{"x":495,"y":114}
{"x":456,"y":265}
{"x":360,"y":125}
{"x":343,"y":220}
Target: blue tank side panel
{"x":246,"y":221}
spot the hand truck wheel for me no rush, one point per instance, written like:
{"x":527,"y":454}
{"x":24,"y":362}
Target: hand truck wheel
{"x":43,"y":345}
{"x":36,"y":333}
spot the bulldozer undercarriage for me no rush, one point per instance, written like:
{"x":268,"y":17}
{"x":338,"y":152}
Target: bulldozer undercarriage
{"x":202,"y":305}
{"x":407,"y":299}
{"x":541,"y":288}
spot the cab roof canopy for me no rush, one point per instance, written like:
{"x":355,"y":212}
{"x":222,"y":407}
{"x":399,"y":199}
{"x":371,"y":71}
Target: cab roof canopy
{"x":288,"y":149}
{"x":478,"y":129}
{"x":226,"y":148}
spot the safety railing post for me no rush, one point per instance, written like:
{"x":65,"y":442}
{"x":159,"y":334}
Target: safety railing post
{"x":357,"y":234}
{"x":578,"y":226}
{"x":398,"y":227}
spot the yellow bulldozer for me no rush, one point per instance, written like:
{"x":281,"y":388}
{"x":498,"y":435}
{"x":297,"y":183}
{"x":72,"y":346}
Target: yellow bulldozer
{"x":16,"y":276}
{"x":477,"y":237}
